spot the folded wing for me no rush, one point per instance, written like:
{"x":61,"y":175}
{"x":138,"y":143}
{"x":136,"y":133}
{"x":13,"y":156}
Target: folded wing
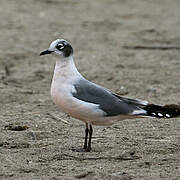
{"x":110,"y":103}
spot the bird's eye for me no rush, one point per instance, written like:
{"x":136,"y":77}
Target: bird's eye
{"x":60,"y":46}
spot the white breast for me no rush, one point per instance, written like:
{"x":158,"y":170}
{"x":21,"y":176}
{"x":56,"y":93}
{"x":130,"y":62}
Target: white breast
{"x":68,"y":104}
{"x":61,"y":92}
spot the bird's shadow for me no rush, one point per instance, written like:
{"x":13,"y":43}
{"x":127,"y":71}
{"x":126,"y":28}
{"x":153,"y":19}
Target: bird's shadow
{"x":79,"y":157}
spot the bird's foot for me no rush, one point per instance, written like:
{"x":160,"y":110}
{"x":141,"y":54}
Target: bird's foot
{"x":81,"y":149}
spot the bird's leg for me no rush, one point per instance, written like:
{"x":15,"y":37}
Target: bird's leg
{"x":88,"y":149}
{"x":86,"y":136}
{"x":87,"y":144}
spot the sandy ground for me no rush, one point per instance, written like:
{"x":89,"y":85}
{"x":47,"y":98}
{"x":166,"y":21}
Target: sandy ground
{"x":100,"y":32}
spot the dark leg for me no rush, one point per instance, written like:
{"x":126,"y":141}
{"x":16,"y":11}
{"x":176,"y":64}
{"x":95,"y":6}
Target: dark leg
{"x":87,"y":144}
{"x":88,"y":149}
{"x":86,"y":136}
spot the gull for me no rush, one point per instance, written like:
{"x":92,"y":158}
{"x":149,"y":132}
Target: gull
{"x":92,"y":103}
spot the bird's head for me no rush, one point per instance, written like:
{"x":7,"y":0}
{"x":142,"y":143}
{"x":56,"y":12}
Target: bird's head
{"x":60,"y":47}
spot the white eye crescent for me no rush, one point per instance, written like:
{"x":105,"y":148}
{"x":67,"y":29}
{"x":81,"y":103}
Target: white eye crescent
{"x":60,"y":46}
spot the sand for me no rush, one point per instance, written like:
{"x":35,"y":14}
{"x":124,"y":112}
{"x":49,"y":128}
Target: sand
{"x":105,"y":35}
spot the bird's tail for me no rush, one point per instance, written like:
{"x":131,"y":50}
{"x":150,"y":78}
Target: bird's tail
{"x":167,"y":111}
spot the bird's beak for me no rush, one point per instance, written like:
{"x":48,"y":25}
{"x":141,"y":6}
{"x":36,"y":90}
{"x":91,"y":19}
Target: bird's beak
{"x":45,"y":52}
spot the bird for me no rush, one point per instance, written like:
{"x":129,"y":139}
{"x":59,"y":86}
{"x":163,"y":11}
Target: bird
{"x":91,"y":103}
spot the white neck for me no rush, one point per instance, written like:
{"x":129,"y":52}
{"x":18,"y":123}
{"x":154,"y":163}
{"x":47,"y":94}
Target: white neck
{"x":65,"y":69}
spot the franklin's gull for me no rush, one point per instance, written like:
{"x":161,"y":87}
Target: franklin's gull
{"x":91,"y":103}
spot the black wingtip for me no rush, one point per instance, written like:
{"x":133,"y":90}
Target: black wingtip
{"x":167,"y":111}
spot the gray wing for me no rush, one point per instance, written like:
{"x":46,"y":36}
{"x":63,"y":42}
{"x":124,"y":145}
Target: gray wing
{"x":110,"y":103}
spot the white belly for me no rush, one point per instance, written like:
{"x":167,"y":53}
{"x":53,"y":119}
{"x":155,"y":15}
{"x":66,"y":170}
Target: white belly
{"x":63,"y":98}
{"x":81,"y":110}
